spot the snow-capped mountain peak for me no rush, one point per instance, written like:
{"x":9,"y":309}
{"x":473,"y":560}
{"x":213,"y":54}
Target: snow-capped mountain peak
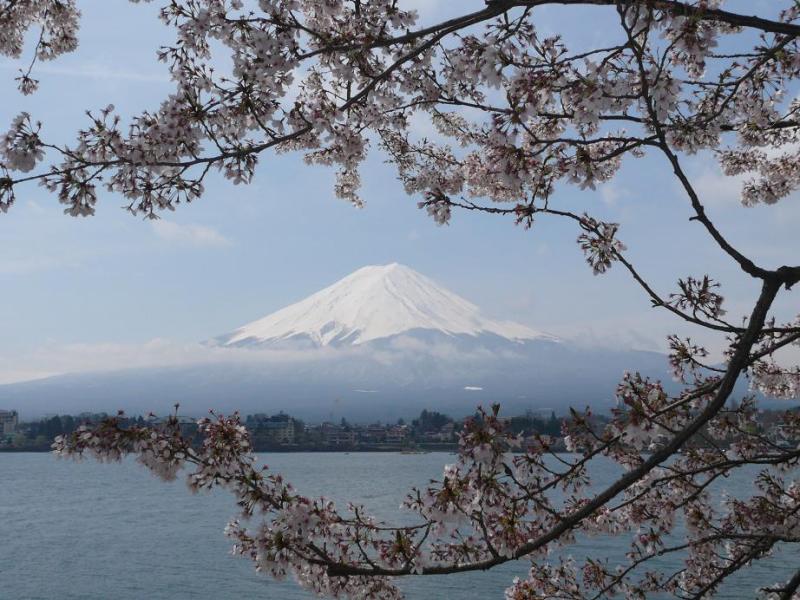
{"x":371,"y":303}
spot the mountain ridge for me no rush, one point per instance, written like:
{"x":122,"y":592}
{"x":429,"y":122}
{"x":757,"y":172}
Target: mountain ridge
{"x":375,"y":302}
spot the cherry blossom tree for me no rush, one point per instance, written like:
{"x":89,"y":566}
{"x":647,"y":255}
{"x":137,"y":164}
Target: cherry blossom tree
{"x":520,"y":116}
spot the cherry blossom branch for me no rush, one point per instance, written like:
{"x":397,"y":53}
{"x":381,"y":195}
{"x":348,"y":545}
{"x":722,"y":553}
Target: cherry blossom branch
{"x":787,"y":592}
{"x":525,"y":211}
{"x":735,"y":366}
{"x":688,"y":10}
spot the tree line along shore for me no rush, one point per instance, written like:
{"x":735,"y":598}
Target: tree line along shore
{"x":430,"y":431}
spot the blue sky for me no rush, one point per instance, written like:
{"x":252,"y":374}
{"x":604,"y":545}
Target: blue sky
{"x":96,"y":293}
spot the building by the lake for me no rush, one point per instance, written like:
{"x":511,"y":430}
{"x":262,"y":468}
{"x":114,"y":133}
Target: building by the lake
{"x":278,"y":429}
{"x":8,"y":422}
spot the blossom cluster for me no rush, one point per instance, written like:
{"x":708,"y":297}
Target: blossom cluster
{"x":57,"y":21}
{"x":328,"y":77}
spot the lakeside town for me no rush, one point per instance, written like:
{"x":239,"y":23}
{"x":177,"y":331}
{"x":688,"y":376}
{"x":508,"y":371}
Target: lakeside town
{"x":281,"y":432}
{"x":430,"y":431}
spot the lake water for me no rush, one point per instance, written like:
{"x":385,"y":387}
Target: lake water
{"x":96,"y":531}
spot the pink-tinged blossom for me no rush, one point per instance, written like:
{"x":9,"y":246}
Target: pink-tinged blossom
{"x":20,"y":146}
{"x":599,"y":244}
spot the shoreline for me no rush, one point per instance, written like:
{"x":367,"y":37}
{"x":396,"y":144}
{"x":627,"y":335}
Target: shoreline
{"x":422,"y":449}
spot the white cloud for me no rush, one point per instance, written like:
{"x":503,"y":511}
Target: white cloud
{"x":56,"y":358}
{"x":473,"y":388}
{"x":18,"y":265}
{"x":717,"y":189}
{"x":611,"y":193}
{"x":714,"y":188}
{"x":190,"y":234}
{"x":88,"y":70}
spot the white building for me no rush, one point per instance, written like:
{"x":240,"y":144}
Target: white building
{"x":397,"y":434}
{"x":8,"y":422}
{"x":279,"y":428}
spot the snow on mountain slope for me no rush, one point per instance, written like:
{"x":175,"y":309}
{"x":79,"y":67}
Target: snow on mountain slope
{"x":376,"y":302}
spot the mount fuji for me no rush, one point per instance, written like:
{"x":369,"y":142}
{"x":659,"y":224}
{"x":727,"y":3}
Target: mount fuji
{"x":381,"y":343}
{"x":373,"y":303}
